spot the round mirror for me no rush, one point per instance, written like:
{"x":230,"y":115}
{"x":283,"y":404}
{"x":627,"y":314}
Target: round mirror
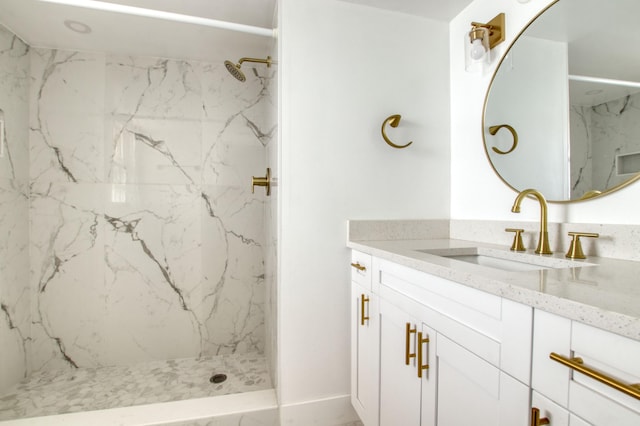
{"x":562,"y":113}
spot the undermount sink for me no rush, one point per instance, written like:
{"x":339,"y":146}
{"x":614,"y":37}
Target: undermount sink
{"x":504,"y":260}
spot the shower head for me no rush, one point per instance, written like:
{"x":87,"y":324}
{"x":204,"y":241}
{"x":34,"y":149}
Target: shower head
{"x":234,"y":69}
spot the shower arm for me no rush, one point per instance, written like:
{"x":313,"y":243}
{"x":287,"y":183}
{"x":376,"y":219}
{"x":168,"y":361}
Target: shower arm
{"x":267,"y":61}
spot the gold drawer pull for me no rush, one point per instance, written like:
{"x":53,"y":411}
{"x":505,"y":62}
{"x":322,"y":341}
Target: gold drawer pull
{"x":577,"y":364}
{"x":535,"y":418}
{"x":359,"y":267}
{"x":421,"y":342}
{"x":407,"y":352}
{"x":363,"y":299}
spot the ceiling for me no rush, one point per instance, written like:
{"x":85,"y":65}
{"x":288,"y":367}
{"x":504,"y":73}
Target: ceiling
{"x":41,"y":24}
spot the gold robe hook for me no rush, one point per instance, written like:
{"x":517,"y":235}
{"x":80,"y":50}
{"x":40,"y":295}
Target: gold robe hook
{"x":393,"y":121}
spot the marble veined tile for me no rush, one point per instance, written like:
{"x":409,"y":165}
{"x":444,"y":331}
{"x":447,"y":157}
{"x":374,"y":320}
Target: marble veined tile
{"x":153,"y":274}
{"x":233,"y":268}
{"x":152,"y":88}
{"x":66,"y":120}
{"x":250,"y":102}
{"x":14,"y":104}
{"x":15,"y":301}
{"x":67,"y":270}
{"x":155,"y":151}
{"x":231,"y":154}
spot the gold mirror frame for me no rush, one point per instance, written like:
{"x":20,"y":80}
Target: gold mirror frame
{"x":587,"y":196}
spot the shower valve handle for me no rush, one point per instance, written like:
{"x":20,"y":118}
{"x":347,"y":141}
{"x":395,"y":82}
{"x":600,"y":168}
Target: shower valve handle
{"x":262,"y":181}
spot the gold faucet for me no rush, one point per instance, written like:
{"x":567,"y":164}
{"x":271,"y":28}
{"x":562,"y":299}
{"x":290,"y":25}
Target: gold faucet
{"x":543,"y":241}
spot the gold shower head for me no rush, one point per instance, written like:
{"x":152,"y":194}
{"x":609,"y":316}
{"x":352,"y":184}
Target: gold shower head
{"x":234,"y":69}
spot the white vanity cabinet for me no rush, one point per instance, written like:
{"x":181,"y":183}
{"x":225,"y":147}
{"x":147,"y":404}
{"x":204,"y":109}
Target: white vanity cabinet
{"x":477,"y":347}
{"x":408,"y":370}
{"x":568,"y":397}
{"x":364,"y":341}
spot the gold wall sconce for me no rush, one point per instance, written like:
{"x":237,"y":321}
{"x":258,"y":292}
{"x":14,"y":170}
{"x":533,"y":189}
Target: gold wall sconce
{"x":479,"y":41}
{"x":494,"y":129}
{"x":393,"y":121}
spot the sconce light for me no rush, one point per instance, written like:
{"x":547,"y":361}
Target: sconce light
{"x":523,"y":1}
{"x":479,"y":41}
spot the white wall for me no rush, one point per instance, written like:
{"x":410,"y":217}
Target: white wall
{"x":476,"y":192}
{"x":343,"y":69}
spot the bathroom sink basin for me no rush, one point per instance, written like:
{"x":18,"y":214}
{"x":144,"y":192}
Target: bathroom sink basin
{"x":503,"y":259}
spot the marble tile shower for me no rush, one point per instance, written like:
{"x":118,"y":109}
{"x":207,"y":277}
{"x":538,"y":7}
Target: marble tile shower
{"x":146,"y":242}
{"x":598,"y":135}
{"x":15,"y":302}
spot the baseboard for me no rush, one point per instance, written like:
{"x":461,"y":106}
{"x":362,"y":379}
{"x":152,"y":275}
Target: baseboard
{"x":332,"y":411}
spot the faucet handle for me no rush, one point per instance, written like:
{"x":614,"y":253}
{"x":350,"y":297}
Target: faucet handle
{"x":575,"y":248}
{"x":517,"y":239}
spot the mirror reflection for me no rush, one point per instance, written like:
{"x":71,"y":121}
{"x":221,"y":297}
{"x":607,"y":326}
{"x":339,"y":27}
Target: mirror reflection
{"x":562,"y":114}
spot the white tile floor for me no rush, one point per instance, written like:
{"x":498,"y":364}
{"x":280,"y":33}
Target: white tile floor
{"x":49,"y":393}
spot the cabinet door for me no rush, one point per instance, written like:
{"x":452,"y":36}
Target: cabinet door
{"x":400,"y":387}
{"x":472,"y":391}
{"x":427,"y":352}
{"x":364,"y":354}
{"x":555,"y":414}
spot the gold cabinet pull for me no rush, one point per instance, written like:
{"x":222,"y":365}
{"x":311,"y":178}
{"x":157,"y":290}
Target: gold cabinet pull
{"x":421,"y":342}
{"x":363,"y":299}
{"x":578,"y":365}
{"x":359,"y":267}
{"x":535,"y":418}
{"x":407,"y":352}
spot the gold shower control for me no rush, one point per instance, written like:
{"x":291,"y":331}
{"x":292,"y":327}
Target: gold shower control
{"x":262,"y":181}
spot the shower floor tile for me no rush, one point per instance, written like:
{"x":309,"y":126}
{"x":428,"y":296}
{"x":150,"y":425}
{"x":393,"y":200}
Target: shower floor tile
{"x":86,"y":389}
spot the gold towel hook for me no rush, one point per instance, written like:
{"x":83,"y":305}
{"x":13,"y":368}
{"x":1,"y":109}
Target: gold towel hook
{"x":393,"y":121}
{"x":494,"y":129}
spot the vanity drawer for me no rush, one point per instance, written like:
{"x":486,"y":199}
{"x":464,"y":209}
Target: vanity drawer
{"x":606,"y":354}
{"x":361,"y":269}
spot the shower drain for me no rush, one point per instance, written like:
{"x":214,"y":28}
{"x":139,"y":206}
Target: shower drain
{"x":218,"y":378}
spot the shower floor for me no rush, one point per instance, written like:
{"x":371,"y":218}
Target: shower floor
{"x":87,"y":389}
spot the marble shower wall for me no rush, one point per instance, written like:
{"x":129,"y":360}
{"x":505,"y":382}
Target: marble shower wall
{"x":599,"y":134}
{"x":14,"y":210}
{"x":146,"y":241}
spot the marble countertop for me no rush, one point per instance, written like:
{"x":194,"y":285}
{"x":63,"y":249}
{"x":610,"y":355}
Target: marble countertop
{"x":598,"y":291}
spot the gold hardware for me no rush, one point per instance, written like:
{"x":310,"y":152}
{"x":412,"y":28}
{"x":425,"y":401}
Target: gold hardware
{"x":234,"y":69}
{"x":577,"y":364}
{"x":262,"y":181}
{"x":422,"y":340}
{"x":575,"y":248}
{"x":535,"y":418}
{"x":363,"y":299}
{"x":359,"y":267}
{"x":407,"y":353}
{"x":496,"y":29}
{"x":494,"y":129}
{"x":517,"y":244}
{"x":590,"y":194}
{"x":543,"y":241}
{"x":393,"y":121}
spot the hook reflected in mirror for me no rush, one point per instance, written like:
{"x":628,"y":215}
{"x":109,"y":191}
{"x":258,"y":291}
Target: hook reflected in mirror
{"x":494,"y":129}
